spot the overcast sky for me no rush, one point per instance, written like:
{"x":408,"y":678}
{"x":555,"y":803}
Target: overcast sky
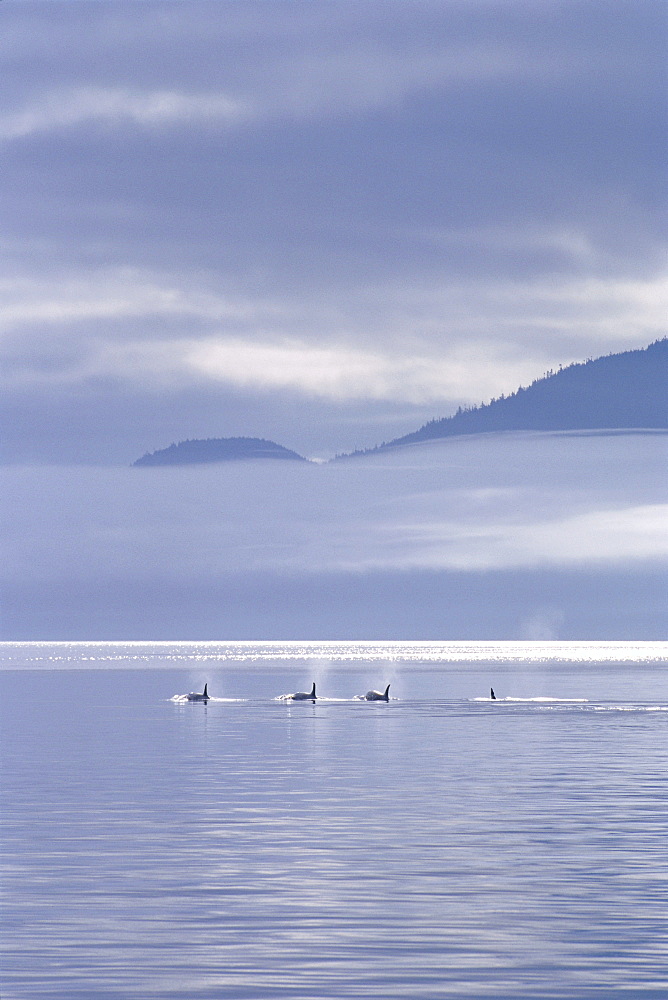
{"x":318,"y":222}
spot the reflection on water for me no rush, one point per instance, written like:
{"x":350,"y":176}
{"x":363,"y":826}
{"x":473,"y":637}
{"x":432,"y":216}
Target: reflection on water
{"x":433,"y":846}
{"x":145,"y":654}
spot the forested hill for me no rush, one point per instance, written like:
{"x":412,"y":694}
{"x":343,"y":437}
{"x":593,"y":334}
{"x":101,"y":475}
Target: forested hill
{"x":217,"y":450}
{"x":627,"y":390}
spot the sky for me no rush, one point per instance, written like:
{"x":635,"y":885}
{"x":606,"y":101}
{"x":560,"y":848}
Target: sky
{"x":325,"y":223}
{"x":321,"y":223}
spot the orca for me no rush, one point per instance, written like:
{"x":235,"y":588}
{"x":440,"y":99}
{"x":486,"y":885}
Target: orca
{"x":491,"y":694}
{"x":196,"y":696}
{"x":378,"y":695}
{"x":303,"y":696}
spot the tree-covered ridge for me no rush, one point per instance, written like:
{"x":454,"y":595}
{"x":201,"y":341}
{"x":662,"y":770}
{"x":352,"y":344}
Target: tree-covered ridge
{"x":626,"y":390}
{"x":217,"y":450}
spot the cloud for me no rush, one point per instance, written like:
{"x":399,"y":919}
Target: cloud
{"x":595,"y":538}
{"x":335,"y":372}
{"x":429,"y":343}
{"x":90,"y":105}
{"x":339,"y":204}
{"x":360,"y":76}
{"x":506,"y":502}
{"x":117,"y":293}
{"x":340,"y":371}
{"x":493,"y":537}
{"x":255,"y":64}
{"x":353,"y":77}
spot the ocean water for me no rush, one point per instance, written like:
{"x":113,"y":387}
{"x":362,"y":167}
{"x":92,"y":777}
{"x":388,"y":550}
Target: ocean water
{"x":438,"y":845}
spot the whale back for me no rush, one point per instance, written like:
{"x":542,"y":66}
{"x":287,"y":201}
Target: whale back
{"x":196,"y":696}
{"x":378,"y":695}
{"x":303,"y":695}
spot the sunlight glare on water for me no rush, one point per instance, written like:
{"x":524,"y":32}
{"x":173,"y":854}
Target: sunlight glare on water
{"x":88,"y":654}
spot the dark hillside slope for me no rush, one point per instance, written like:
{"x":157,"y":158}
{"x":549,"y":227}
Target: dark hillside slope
{"x":626,"y":390}
{"x":217,"y":450}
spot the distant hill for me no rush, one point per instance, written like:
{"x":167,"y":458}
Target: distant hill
{"x":626,"y":390}
{"x":218,"y":450}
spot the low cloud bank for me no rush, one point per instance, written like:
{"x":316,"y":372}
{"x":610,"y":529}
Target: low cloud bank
{"x":445,"y":518}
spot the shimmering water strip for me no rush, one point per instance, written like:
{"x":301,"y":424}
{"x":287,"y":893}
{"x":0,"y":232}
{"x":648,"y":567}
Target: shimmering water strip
{"x":142,"y":653}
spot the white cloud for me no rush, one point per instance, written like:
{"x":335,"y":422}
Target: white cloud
{"x":593,"y":538}
{"x":123,"y":293}
{"x":429,"y":343}
{"x":339,"y":371}
{"x":74,"y":106}
{"x":335,"y":370}
{"x":588,"y":310}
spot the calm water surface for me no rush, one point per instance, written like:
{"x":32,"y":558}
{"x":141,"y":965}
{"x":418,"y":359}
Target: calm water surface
{"x":440,"y":845}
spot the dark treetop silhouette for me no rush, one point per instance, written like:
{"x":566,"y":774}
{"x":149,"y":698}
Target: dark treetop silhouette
{"x":218,"y":450}
{"x":622,"y":391}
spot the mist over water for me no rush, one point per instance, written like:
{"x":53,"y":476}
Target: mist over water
{"x":530,"y":536}
{"x":440,"y":844}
